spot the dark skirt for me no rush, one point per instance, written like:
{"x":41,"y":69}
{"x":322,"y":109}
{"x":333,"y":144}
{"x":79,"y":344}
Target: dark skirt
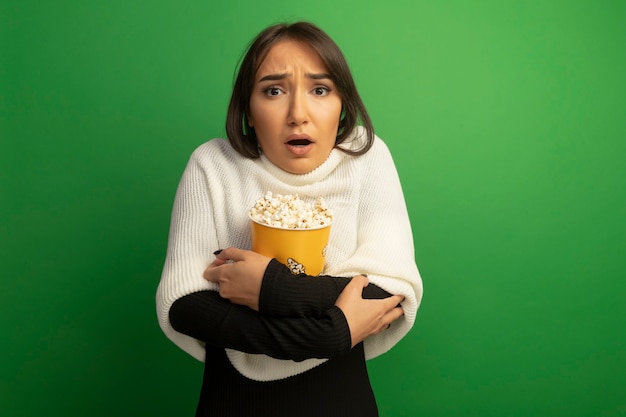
{"x":339,"y":387}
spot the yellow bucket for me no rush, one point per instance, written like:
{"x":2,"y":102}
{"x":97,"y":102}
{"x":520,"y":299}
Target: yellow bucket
{"x":302,"y":250}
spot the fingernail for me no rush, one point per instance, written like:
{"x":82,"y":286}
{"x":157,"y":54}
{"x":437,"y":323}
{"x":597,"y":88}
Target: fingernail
{"x":217,"y":252}
{"x":365,"y":275}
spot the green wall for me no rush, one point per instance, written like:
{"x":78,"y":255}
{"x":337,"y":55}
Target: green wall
{"x":507,"y":120}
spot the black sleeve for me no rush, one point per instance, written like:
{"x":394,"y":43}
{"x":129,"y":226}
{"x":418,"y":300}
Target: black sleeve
{"x":207,"y":317}
{"x":285,"y":294}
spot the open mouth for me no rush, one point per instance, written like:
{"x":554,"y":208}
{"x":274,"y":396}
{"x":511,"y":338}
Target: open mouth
{"x":299,"y":142}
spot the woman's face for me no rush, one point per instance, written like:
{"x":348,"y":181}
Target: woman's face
{"x":294,"y":108}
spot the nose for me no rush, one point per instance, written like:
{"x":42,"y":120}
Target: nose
{"x":298,"y":110}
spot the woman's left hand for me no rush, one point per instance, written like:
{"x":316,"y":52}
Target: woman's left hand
{"x":239,"y":274}
{"x":367,"y":317}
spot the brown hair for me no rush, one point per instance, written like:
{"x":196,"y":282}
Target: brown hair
{"x":243,"y":138}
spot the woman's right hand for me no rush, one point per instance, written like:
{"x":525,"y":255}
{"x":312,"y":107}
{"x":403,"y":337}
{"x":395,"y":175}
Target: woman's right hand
{"x":367,"y":317}
{"x":239,"y":274}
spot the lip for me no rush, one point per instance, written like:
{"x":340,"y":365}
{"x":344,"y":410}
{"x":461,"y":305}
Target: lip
{"x":299,"y":149}
{"x":296,"y":136}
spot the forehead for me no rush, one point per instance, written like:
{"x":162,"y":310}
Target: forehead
{"x":289,"y":56}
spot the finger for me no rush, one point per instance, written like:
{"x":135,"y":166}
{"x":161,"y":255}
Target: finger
{"x":231,"y":254}
{"x":390,"y":317}
{"x":209,"y":274}
{"x":393,"y":301}
{"x":359,"y":281}
{"x":216,"y":262}
{"x":212,"y":272}
{"x":395,"y":314}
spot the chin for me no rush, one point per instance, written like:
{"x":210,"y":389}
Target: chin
{"x":299,"y":169}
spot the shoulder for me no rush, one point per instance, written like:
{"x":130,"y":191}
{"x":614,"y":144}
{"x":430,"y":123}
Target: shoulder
{"x":380,"y":148}
{"x":377,"y":164}
{"x":216,"y":153}
{"x":378,"y":154}
{"x":214,"y":148}
{"x":358,"y":138}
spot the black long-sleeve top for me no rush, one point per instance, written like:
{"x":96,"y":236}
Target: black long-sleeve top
{"x":297,"y":317}
{"x":297,"y":320}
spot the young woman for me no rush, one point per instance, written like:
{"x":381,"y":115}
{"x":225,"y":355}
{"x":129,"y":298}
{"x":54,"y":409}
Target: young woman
{"x":277,"y":344}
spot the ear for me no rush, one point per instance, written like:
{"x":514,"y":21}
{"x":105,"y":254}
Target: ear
{"x":249,"y":119}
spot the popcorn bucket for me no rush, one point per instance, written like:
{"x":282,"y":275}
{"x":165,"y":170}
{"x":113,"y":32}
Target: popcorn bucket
{"x":302,"y":250}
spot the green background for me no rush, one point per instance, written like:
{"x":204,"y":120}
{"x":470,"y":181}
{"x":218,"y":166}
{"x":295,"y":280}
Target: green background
{"x":507,"y":121}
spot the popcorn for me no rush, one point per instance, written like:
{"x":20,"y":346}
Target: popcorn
{"x":290,"y":212}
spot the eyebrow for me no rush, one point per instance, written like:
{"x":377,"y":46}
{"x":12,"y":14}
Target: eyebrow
{"x":277,"y":77}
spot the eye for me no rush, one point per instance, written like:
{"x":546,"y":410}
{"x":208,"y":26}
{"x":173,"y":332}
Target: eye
{"x":321,"y":91}
{"x":273,"y":91}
